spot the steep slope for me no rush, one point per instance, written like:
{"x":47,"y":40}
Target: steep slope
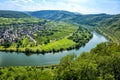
{"x":12,"y":14}
{"x":111,"y":28}
{"x":91,"y":19}
{"x":111,"y":22}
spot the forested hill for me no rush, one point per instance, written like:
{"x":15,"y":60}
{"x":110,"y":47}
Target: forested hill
{"x":66,"y":16}
{"x":114,"y":21}
{"x":59,"y":15}
{"x":71,"y":17}
{"x":12,"y":14}
{"x":52,"y":14}
{"x":109,"y":25}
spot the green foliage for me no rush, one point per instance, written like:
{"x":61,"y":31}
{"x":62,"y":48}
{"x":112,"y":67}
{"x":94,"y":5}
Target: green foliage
{"x":81,"y":36}
{"x":101,"y":63}
{"x":26,"y":73}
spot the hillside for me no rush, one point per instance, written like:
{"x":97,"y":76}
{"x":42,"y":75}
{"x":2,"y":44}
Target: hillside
{"x":109,"y":25}
{"x":12,"y":14}
{"x":106,"y":24}
{"x":111,"y":28}
{"x":57,"y":15}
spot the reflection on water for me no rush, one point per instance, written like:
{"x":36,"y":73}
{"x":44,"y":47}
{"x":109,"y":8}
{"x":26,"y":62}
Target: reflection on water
{"x":20,"y":59}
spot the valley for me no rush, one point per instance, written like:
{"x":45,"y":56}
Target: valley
{"x":33,"y":35}
{"x":106,"y":24}
{"x":59,"y":45}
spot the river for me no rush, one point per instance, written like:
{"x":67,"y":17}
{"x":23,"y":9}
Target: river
{"x":15,"y":59}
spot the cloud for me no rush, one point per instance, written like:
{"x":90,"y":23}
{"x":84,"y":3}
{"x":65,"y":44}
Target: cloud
{"x":22,"y":1}
{"x":78,"y":1}
{"x":15,"y":4}
{"x":82,"y":6}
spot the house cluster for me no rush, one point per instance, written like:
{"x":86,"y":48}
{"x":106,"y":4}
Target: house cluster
{"x":13,"y":33}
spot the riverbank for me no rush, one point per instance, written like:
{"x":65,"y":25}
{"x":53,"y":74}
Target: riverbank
{"x":56,"y":46}
{"x":22,"y":59}
{"x":109,"y":35}
{"x":72,"y":41}
{"x":102,"y":62}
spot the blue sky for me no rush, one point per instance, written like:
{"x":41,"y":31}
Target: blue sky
{"x":82,"y":6}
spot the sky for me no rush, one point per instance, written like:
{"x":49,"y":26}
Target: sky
{"x":81,"y":6}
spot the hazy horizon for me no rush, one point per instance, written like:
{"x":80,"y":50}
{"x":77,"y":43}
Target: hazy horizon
{"x":80,"y":6}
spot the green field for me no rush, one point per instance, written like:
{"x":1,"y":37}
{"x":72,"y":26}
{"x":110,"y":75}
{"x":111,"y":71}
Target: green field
{"x":40,"y":36}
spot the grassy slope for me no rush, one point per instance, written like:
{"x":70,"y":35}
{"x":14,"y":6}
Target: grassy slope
{"x":63,"y":43}
{"x":54,"y":45}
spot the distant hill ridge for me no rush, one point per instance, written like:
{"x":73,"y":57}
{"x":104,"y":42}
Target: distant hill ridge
{"x":66,"y":16}
{"x":52,"y":14}
{"x":12,"y":14}
{"x":60,"y":15}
